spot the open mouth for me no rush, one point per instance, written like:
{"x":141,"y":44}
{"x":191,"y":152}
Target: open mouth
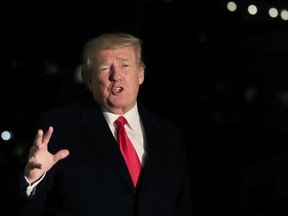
{"x":117,"y":90}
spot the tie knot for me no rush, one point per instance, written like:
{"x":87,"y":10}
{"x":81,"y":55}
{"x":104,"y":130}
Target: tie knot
{"x":120,"y":121}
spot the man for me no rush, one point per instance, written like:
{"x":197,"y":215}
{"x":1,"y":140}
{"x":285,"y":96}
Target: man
{"x":75,"y":166}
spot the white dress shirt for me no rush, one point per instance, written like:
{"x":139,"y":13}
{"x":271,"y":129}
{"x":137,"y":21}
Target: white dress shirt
{"x":133,"y":128}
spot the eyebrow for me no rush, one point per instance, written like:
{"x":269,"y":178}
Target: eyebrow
{"x":123,"y":59}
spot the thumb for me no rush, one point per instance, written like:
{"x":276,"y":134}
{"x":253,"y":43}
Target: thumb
{"x":61,"y":154}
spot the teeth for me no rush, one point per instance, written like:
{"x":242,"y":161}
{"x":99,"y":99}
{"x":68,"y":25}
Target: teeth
{"x":118,"y":89}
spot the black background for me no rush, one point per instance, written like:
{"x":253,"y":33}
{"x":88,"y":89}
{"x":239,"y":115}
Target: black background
{"x":220,"y":76}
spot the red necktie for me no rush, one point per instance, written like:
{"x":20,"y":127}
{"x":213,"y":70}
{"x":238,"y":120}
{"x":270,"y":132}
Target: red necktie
{"x":127,"y":149}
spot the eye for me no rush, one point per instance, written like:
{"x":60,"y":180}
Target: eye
{"x":104,"y":69}
{"x":125,"y":65}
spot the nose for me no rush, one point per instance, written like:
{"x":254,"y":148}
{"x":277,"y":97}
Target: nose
{"x":115,"y":73}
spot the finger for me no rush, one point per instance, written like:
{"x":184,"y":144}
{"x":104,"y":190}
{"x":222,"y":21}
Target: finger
{"x":47,"y":135}
{"x":38,"y":138}
{"x":61,"y":155}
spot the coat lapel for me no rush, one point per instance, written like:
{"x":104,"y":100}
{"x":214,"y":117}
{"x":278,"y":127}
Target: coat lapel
{"x":153,"y":168}
{"x":96,"y":129}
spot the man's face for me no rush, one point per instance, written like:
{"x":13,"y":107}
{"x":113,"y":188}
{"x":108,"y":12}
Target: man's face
{"x":116,"y":79}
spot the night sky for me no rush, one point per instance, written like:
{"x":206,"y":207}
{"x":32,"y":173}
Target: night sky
{"x":220,"y":76}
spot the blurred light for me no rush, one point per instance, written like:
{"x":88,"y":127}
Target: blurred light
{"x":284,"y":14}
{"x":231,"y":6}
{"x":274,"y":9}
{"x":6,"y":135}
{"x":252,"y":9}
{"x":273,"y":12}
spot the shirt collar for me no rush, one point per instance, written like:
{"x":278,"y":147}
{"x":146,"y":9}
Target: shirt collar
{"x":132,"y":117}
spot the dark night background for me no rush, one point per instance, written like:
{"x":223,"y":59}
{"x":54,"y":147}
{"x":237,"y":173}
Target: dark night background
{"x":221,"y":76}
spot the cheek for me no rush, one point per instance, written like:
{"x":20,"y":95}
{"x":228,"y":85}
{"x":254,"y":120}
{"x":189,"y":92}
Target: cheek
{"x":100,"y":86}
{"x":96,"y":81}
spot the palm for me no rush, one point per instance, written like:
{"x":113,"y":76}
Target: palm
{"x":40,"y":159}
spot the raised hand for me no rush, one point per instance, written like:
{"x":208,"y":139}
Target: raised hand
{"x":40,"y":160}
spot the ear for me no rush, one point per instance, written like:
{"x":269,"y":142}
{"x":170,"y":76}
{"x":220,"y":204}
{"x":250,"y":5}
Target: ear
{"x":141,"y":75}
{"x":90,"y":84}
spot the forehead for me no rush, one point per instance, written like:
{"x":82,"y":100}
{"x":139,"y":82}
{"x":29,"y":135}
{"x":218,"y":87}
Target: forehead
{"x":123,"y":53}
